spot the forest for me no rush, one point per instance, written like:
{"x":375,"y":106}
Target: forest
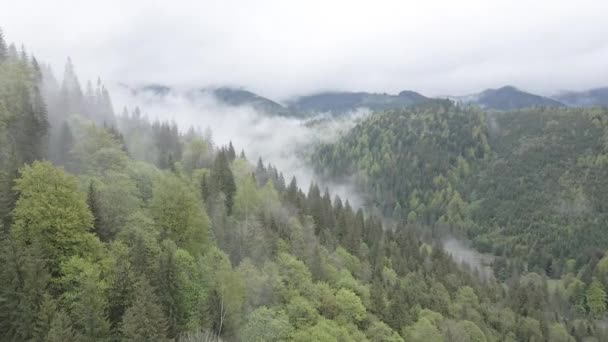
{"x":119,"y":228}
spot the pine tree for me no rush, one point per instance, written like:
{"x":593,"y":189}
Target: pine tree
{"x":61,"y":329}
{"x":292,"y":191}
{"x":22,"y":289}
{"x":12,"y":54}
{"x":39,"y":119}
{"x":222,"y":179}
{"x":596,"y":298}
{"x":231,"y":153}
{"x":94,"y":207}
{"x":44,"y":319}
{"x":89,"y":312}
{"x":204,"y":188}
{"x":166,"y":281}
{"x":72,"y":99}
{"x":66,"y":143}
{"x":122,"y":284}
{"x":3,"y":48}
{"x":260,"y":172}
{"x":8,"y":195}
{"x":144,"y":320}
{"x":107,"y":109}
{"x":398,"y":314}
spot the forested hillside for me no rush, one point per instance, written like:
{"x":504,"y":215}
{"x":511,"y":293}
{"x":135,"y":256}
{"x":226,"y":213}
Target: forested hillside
{"x":127,"y":229}
{"x":528,"y":186}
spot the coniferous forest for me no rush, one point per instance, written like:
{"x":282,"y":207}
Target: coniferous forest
{"x":119,"y":228}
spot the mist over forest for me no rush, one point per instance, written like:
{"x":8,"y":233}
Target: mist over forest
{"x":271,"y":171}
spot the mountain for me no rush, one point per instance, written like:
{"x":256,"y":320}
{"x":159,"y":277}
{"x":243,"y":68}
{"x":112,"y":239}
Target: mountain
{"x":339,"y":102}
{"x":589,"y":98}
{"x":526,"y":184}
{"x":508,"y":98}
{"x":229,"y":96}
{"x":240,"y":97}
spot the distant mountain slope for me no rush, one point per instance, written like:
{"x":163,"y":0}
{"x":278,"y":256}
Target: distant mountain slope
{"x":508,"y":98}
{"x":240,"y":97}
{"x":528,"y":183}
{"x":228,"y":96}
{"x":339,"y":102}
{"x":589,"y":98}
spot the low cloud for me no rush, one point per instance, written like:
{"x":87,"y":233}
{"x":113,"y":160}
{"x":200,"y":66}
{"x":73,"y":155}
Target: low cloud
{"x":279,"y":140}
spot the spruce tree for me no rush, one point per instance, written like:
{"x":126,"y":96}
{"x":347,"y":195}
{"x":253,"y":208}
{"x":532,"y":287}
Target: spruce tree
{"x":22,"y":289}
{"x":61,"y":329}
{"x":3,"y":48}
{"x":231,"y":152}
{"x":222,"y":179}
{"x":66,"y":143}
{"x":44,"y":319}
{"x":89,"y":312}
{"x":12,"y":54}
{"x":8,"y":195}
{"x":72,"y":99}
{"x":94,"y":207}
{"x":144,"y":320}
{"x":39,"y":119}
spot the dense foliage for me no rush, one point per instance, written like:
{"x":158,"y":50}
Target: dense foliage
{"x":527,"y":186}
{"x":156,"y":235}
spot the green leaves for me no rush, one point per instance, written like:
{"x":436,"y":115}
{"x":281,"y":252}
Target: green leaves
{"x":144,"y":320}
{"x":179,"y":215}
{"x":52,"y":214}
{"x":265,"y":324}
{"x":596,"y":298}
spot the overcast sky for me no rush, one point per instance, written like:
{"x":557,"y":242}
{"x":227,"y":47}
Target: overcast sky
{"x":281,"y":48}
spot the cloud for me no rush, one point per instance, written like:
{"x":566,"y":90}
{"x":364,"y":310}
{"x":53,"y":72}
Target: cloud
{"x":281,"y":48}
{"x":278,"y":140}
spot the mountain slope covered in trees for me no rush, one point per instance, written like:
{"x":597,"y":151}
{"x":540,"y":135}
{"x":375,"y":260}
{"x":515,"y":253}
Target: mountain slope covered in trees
{"x":527,"y":186}
{"x":508,"y":98}
{"x":588,"y":98}
{"x":126,"y":229}
{"x":341,"y":102}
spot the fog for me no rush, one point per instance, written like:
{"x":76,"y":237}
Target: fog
{"x":281,"y":141}
{"x":462,"y":253}
{"x":283,"y":48}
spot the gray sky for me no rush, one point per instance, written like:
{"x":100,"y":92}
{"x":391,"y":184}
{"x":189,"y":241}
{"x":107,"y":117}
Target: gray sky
{"x":279,"y":48}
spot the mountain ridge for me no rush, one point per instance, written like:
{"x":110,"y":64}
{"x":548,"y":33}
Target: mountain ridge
{"x":338,"y":102}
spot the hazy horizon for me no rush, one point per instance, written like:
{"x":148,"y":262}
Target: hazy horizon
{"x":280,"y":49}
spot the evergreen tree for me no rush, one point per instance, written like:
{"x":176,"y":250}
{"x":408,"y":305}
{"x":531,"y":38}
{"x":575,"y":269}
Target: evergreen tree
{"x":22,"y":290}
{"x":12,"y":54}
{"x":596,"y":298}
{"x":122,"y":281}
{"x":61,"y":329}
{"x":222,"y":179}
{"x":88,"y":310}
{"x":3,"y":48}
{"x":167,"y":283}
{"x":144,"y":320}
{"x":8,"y":195}
{"x":93,"y":204}
{"x":292,"y":191}
{"x":44,"y":319}
{"x":72,"y":100}
{"x":231,"y":153}
{"x":398,"y":314}
{"x":66,"y":143}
